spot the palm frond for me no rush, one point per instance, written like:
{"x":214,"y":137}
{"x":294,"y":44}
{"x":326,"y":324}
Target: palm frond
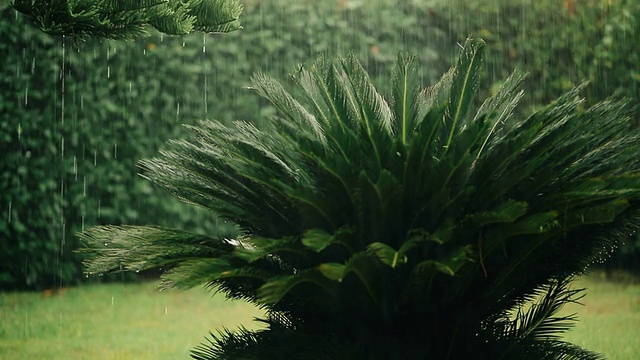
{"x":114,"y":248}
{"x":533,"y":330}
{"x":405,"y":97}
{"x":275,"y":343}
{"x":465,"y":84}
{"x":130,"y":18}
{"x":276,"y":289}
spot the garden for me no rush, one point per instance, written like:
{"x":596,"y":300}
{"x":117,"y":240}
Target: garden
{"x":349,"y":178}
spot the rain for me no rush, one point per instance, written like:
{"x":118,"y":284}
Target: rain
{"x":80,"y":115}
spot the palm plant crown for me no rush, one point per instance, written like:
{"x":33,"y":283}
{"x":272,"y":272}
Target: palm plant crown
{"x":424,"y":227}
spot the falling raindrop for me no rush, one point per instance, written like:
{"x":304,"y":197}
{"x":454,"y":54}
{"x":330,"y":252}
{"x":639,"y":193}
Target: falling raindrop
{"x":115,"y":151}
{"x":26,"y":322}
{"x":9,"y":220}
{"x":62,"y":241}
{"x":204,"y":43}
{"x":62,"y":84}
{"x":205,"y":94}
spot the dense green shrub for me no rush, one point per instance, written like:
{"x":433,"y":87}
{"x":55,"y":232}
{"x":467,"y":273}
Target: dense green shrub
{"x":279,"y":35}
{"x":32,"y":214}
{"x":560,"y":44}
{"x":74,"y":120}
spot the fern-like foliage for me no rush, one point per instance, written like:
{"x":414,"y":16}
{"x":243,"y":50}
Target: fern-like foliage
{"x":417,"y":227}
{"x":130,"y":18}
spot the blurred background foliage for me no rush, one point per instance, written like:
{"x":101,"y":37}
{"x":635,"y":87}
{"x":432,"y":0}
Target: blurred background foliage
{"x":75,"y":117}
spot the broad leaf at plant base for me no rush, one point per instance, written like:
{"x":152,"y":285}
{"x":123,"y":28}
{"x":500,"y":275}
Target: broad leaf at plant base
{"x":412,"y":228}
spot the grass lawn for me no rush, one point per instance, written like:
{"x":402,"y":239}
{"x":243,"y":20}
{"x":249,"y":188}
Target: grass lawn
{"x":113,"y":321}
{"x":610,"y":318}
{"x":134,"y":321}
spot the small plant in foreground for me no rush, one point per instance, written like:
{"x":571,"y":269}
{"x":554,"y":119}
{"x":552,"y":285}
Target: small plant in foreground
{"x":419,"y":228}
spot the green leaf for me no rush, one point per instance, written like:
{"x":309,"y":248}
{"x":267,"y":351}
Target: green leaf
{"x":500,"y":105}
{"x":464,"y":84}
{"x":332,"y":271}
{"x":596,"y":214}
{"x":406,"y":95}
{"x":317,"y":239}
{"x":529,"y":225}
{"x":448,"y":265}
{"x":386,"y":254}
{"x":251,"y":249}
{"x":430,"y":266}
{"x":507,"y":212}
{"x":190,"y":273}
{"x":306,"y":123}
{"x":117,"y":248}
{"x":129,"y":18}
{"x":275,"y":289}
{"x":441,"y":236}
{"x":367,"y":269}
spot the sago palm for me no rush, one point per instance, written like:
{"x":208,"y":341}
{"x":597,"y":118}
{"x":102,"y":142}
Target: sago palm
{"x":423,"y":227}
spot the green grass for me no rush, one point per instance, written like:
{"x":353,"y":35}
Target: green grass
{"x":610,"y":318}
{"x":113,"y":321}
{"x":134,"y":321}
